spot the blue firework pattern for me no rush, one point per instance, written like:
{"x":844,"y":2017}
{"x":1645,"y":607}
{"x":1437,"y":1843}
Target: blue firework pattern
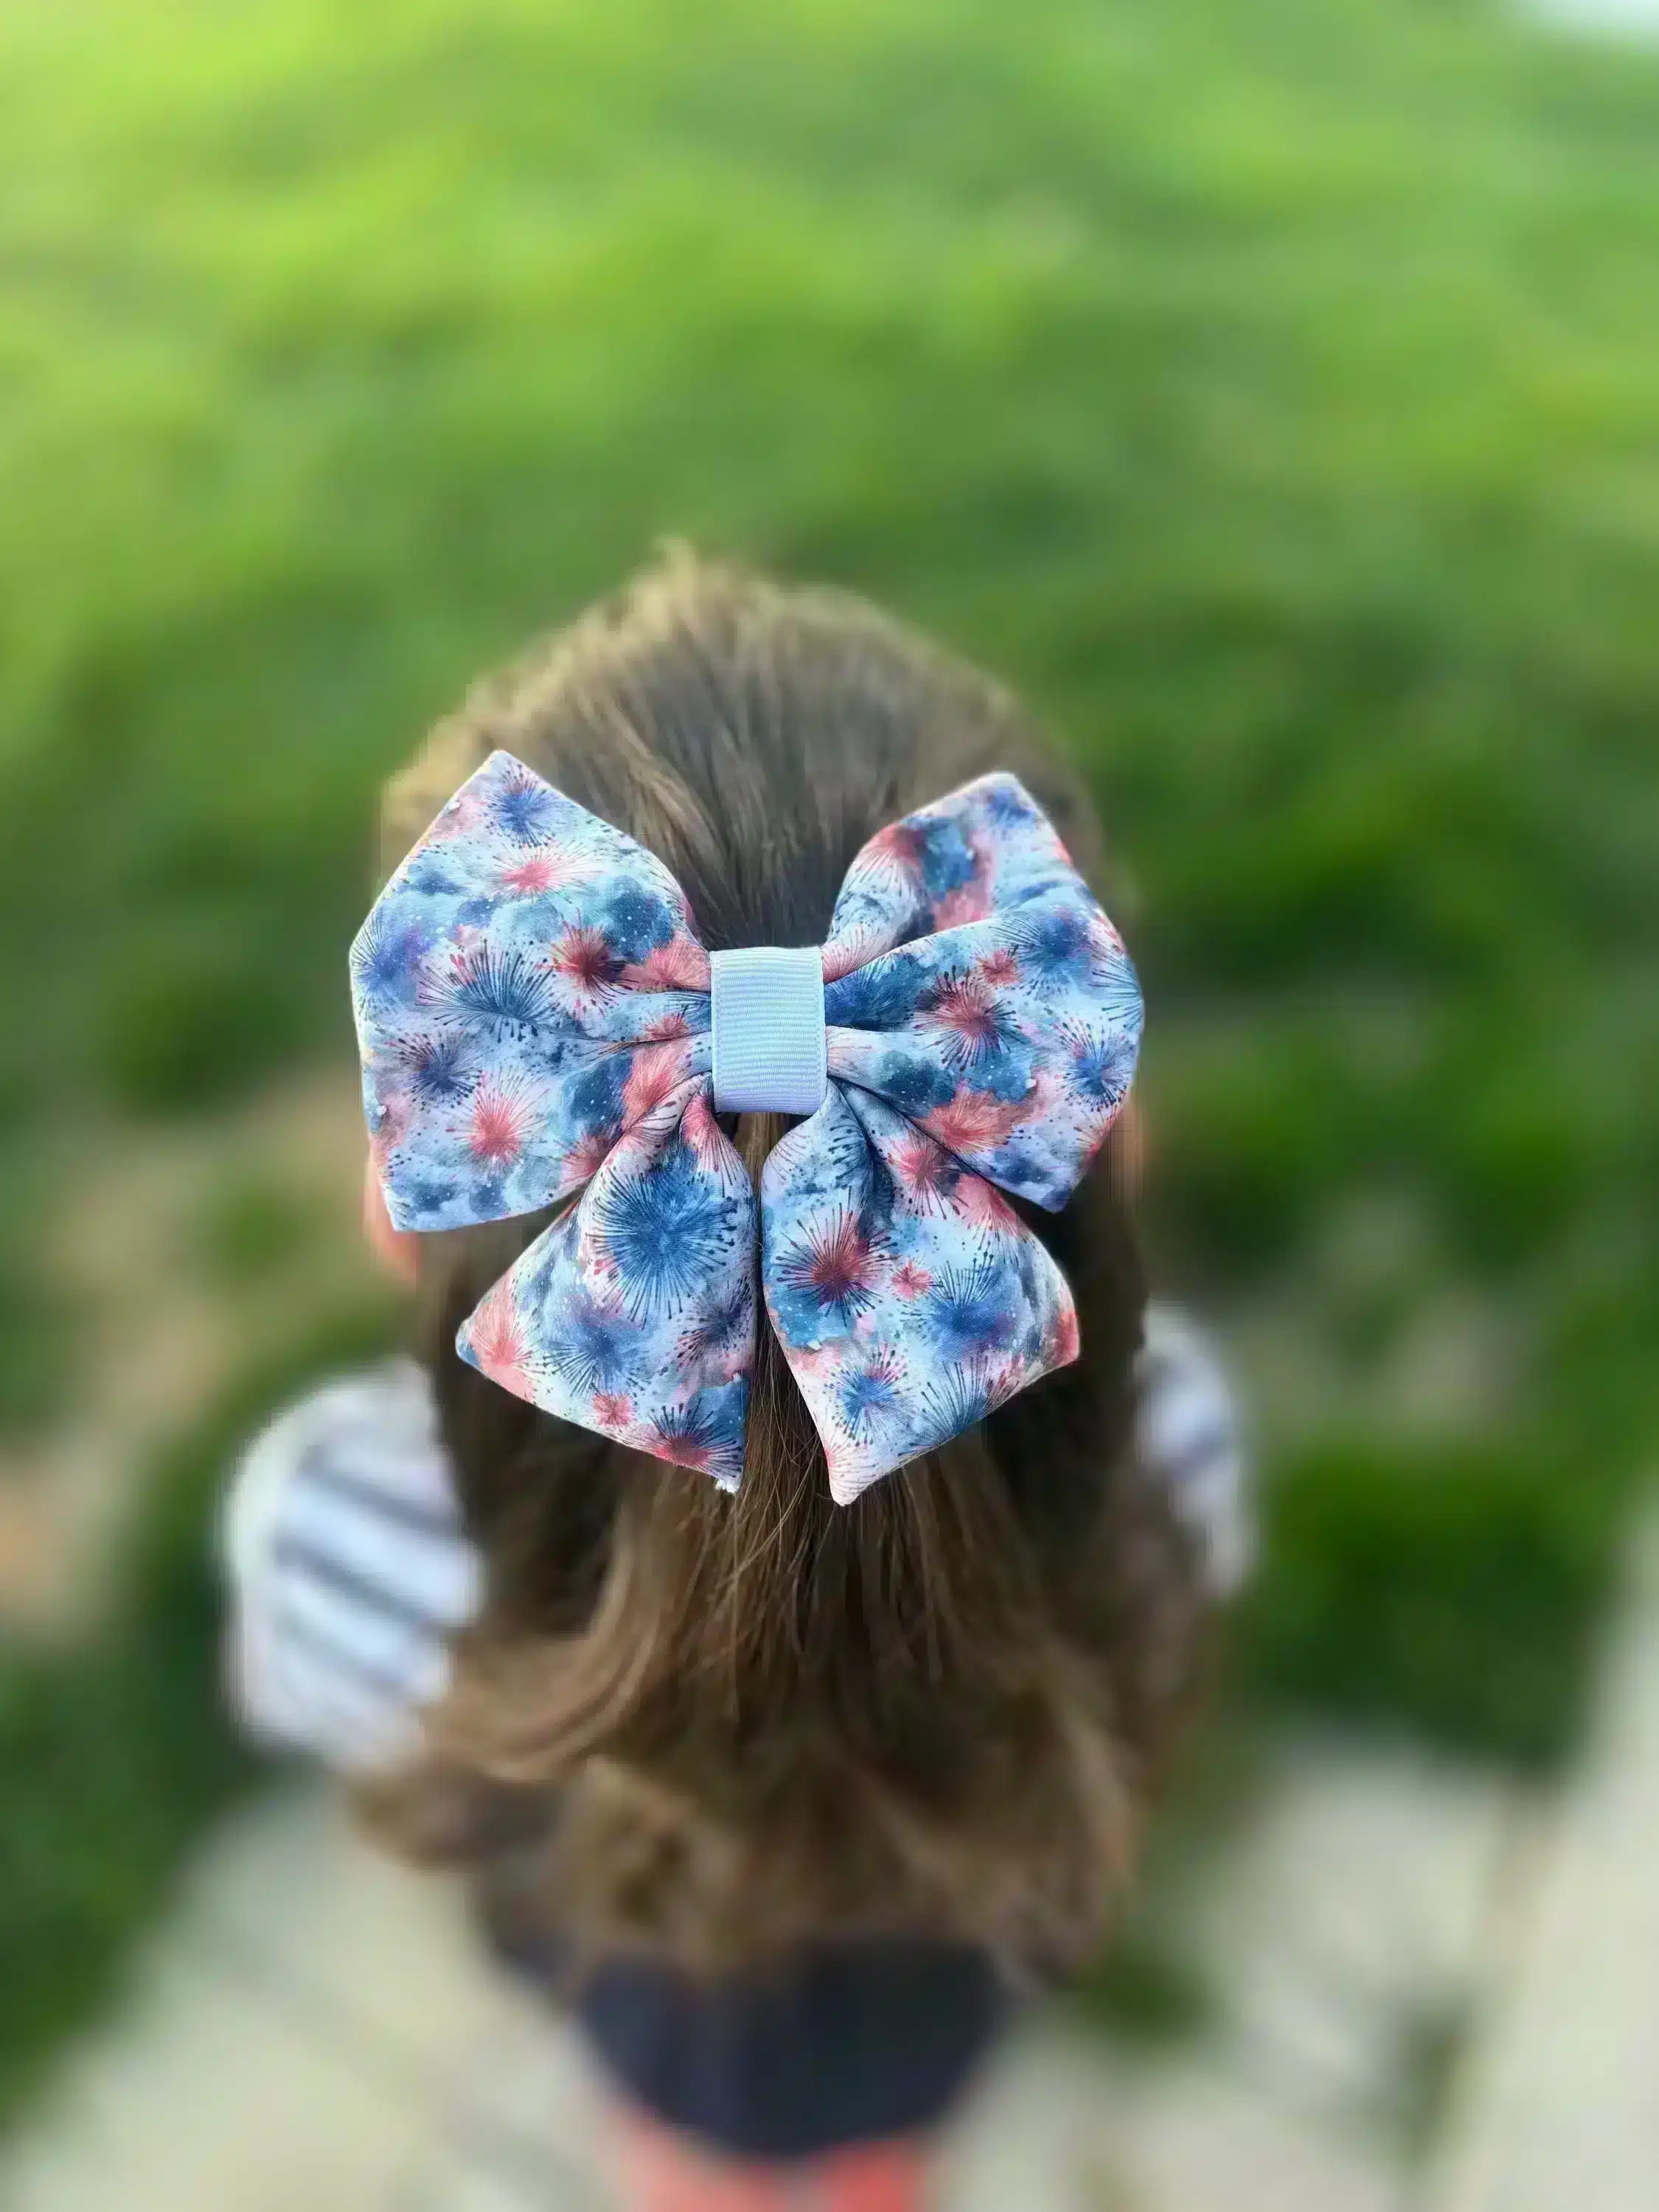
{"x":973,"y":982}
{"x":527,"y":984}
{"x":635,"y":1313}
{"x":934,"y":1294}
{"x":532,"y":1009}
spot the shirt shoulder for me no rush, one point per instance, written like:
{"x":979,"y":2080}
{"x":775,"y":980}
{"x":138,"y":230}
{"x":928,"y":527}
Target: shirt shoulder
{"x":1189,"y":1437}
{"x":350,"y":1569}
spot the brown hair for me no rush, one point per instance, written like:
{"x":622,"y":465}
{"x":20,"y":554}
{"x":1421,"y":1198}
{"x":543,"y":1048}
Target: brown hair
{"x":710,"y":1726}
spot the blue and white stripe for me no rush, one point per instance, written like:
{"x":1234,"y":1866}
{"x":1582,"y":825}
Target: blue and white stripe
{"x":349,"y":1569}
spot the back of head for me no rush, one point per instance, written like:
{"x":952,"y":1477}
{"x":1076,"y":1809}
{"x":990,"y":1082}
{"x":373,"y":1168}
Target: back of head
{"x":714,"y":1725}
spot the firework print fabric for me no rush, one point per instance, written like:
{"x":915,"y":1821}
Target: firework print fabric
{"x":533,"y":1013}
{"x":635,"y":1313}
{"x":908,"y":1296}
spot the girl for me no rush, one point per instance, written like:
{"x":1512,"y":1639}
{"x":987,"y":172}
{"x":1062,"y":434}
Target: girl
{"x":788,"y":1799}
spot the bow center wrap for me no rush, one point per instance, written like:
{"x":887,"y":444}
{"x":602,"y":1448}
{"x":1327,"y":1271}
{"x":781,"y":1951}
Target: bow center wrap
{"x":766,"y":1016}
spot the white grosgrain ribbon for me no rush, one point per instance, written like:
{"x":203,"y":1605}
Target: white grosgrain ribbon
{"x":766,"y":1016}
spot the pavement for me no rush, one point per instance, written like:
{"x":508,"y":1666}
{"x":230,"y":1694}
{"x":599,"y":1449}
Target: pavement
{"x":1436,"y":1995}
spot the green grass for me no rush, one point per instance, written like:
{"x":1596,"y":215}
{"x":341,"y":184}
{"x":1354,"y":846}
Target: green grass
{"x":251,"y":1226}
{"x":1455,"y":1592}
{"x":1267,"y":391}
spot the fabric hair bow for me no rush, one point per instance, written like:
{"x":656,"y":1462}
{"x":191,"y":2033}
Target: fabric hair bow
{"x":537,"y":1018}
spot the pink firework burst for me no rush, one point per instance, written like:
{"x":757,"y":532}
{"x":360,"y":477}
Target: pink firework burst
{"x":898,"y":846}
{"x":503,"y":1113}
{"x":584,"y":961}
{"x":986,"y":1207}
{"x":656,"y":1070}
{"x":973,"y":1020}
{"x":975,"y":1121}
{"x":836,"y":1268}
{"x":541,"y":872}
{"x":911,"y":1281}
{"x":458,"y":818}
{"x":1063,"y":1339}
{"x":890,"y":867}
{"x":853,"y":950}
{"x":613,"y":1410}
{"x":926,"y":1173}
{"x":709,"y":1143}
{"x":586,"y":1156}
{"x":1000,"y":969}
{"x":680,"y":965}
{"x":496,"y":1340}
{"x":967,"y":902}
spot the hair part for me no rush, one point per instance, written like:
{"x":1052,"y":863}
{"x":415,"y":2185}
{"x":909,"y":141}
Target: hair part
{"x":710,"y":1726}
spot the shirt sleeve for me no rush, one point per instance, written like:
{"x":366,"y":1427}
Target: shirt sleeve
{"x":350,"y":1572}
{"x":1188,"y":1434}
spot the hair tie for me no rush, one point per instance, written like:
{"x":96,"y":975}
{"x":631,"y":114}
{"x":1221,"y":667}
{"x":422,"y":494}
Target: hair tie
{"x":538,"y":1018}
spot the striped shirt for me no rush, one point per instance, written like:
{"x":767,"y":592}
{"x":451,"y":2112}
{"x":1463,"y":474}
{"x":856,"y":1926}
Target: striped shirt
{"x":350,"y":1571}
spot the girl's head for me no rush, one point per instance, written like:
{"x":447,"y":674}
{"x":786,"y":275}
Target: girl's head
{"x":714,"y":1724}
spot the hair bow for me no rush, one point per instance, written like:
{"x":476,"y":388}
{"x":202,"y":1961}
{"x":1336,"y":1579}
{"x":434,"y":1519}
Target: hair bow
{"x":538,"y":1018}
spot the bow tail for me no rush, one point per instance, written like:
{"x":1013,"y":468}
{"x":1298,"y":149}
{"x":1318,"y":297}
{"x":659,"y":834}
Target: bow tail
{"x":908,"y":1296}
{"x":634,"y":1314}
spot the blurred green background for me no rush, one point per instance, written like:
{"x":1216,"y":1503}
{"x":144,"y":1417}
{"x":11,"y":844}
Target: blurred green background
{"x":1269,"y":392}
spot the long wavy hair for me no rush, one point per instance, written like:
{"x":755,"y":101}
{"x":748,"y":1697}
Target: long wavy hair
{"x":708,"y":1726}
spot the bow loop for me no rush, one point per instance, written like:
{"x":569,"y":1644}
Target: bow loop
{"x":526,"y":986}
{"x":1009,"y":1029}
{"x":982,"y":850}
{"x":634,"y":1314}
{"x":909,"y":1297}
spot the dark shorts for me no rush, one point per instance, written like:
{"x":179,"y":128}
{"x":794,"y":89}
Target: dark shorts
{"x":849,"y":2043}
